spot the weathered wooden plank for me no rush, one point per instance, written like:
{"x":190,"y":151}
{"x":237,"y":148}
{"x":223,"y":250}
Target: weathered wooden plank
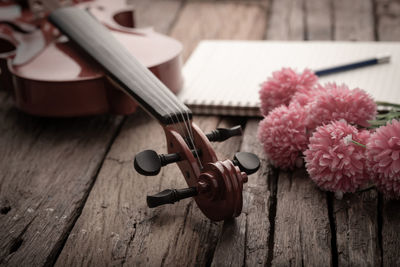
{"x":147,"y":13}
{"x":388,"y":20}
{"x":353,"y":20}
{"x":245,"y":240}
{"x":355,"y":216}
{"x":302,"y":229}
{"x":357,"y":229}
{"x":391,"y":233}
{"x":286,"y":20}
{"x":318,"y":18}
{"x":47,"y":167}
{"x":218,"y":20}
{"x":388,"y":29}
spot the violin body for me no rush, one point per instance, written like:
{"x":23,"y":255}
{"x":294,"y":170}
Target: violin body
{"x":50,"y":76}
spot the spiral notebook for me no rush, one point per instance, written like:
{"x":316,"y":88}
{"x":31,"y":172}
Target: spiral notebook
{"x":224,"y":77}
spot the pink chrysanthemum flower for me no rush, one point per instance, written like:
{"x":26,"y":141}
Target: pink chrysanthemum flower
{"x":339,"y":102}
{"x":383,"y":154}
{"x":283,"y":135}
{"x":279,"y":89}
{"x":334,"y":162}
{"x":305,"y":96}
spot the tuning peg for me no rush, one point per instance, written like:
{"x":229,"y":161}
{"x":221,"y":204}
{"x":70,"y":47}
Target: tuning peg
{"x":149,"y":163}
{"x":221,"y":134}
{"x":170,"y":196}
{"x":247,"y":162}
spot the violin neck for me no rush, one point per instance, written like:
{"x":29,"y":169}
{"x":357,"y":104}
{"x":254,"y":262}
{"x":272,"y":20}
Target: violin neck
{"x":123,"y":68}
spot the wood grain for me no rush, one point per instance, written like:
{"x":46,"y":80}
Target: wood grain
{"x":147,"y":13}
{"x":356,"y":221}
{"x":286,"y":20}
{"x":390,"y":232}
{"x":302,"y":230}
{"x":388,"y":20}
{"x":219,"y":20}
{"x":388,"y":29}
{"x":47,"y":167}
{"x":319,"y":19}
{"x":245,"y":240}
{"x":351,"y":27}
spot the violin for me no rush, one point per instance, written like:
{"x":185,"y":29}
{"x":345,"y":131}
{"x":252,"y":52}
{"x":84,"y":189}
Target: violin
{"x":216,"y":185}
{"x":49,"y":76}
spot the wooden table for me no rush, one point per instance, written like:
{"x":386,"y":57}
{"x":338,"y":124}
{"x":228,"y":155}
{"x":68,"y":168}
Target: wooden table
{"x":69,"y":194}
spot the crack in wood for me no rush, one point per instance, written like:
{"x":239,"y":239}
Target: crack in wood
{"x":333,"y":19}
{"x":165,"y":256}
{"x":332,"y":223}
{"x":306,"y":35}
{"x":375,"y":19}
{"x":17,"y":242}
{"x":187,"y":209}
{"x":5,"y":209}
{"x":273,"y":188}
{"x":118,"y":161}
{"x":380,"y":225}
{"x":129,"y":243}
{"x":245,"y":239}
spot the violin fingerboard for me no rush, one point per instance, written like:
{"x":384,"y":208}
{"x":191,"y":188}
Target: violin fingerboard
{"x":121,"y":66}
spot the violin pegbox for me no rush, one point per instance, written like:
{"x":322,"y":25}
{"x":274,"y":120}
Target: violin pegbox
{"x":215,"y":185}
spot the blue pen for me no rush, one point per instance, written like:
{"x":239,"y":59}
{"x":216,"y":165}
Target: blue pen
{"x":353,"y":65}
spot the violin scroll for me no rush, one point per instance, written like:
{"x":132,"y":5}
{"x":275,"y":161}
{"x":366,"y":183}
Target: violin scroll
{"x":215,"y":185}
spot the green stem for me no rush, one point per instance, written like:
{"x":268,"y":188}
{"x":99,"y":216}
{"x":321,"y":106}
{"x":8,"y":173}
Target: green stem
{"x":359,"y":144}
{"x":381,"y":103}
{"x":388,"y":114}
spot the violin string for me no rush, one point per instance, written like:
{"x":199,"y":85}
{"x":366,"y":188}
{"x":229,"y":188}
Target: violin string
{"x":165,"y":93}
{"x":153,"y":94}
{"x":186,"y":122}
{"x":188,"y":125}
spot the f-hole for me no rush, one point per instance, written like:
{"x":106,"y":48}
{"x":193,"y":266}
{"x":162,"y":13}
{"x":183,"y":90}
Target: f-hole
{"x":125,"y":18}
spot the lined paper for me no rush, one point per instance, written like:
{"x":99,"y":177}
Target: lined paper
{"x":224,"y":77}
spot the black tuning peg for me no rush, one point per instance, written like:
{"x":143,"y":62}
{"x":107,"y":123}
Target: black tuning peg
{"x":149,"y":163}
{"x":221,"y":134}
{"x":247,"y":162}
{"x":170,"y":196}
